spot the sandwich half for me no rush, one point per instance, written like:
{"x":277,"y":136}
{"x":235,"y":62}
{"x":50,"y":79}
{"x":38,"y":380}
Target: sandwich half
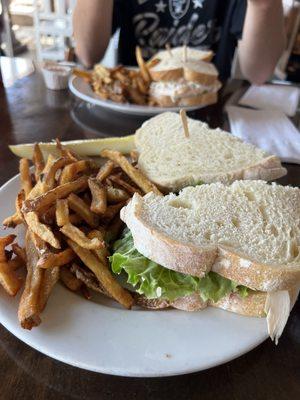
{"x":173,"y":161}
{"x":174,"y":68}
{"x":180,"y":81}
{"x":178,"y":53}
{"x":235,"y":247}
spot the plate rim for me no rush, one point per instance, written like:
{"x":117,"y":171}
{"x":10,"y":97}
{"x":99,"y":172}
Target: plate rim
{"x":128,"y":373}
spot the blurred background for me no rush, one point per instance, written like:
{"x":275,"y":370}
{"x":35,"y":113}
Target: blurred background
{"x":41,"y":30}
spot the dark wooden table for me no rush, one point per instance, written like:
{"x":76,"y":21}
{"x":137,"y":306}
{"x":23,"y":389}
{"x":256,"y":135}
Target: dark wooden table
{"x":29,"y":113}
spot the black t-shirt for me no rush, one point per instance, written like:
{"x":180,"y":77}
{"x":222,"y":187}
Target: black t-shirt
{"x":203,"y":24}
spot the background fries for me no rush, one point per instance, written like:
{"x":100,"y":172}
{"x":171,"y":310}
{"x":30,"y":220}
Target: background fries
{"x":75,"y":219}
{"x":81,"y":208}
{"x":38,"y":286}
{"x":103,"y":274}
{"x":29,"y":307}
{"x":102,"y":252}
{"x":38,"y":161}
{"x":50,"y":197}
{"x":79,"y":237}
{"x":50,"y":278}
{"x":143,"y":66}
{"x":19,"y":251}
{"x":69,"y":280}
{"x":125,"y":185}
{"x":10,"y":282}
{"x":8,"y":279}
{"x":17,"y":218}
{"x":41,"y":230}
{"x":132,"y":172}
{"x":70,"y":209}
{"x":115,"y":195}
{"x":112,"y":211}
{"x":51,"y":260}
{"x":48,"y":217}
{"x":70,"y":171}
{"x":49,"y":179}
{"x":12,"y":221}
{"x":26,"y":183}
{"x":105,"y":170}
{"x":62,"y":212}
{"x":19,"y":203}
{"x":114,"y":229}
{"x":120,"y":84}
{"x":99,"y":196}
{"x":5,"y":241}
{"x":16,"y":263}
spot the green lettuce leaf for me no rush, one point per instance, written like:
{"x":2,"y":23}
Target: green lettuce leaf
{"x":154,"y":281}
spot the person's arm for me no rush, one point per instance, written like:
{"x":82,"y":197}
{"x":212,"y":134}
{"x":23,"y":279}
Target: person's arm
{"x":263,"y":39}
{"x":92,"y":25}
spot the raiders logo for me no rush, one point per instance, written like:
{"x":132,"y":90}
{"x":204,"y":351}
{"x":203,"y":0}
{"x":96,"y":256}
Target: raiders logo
{"x":178,"y":8}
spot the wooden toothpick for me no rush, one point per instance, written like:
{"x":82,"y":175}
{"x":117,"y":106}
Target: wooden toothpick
{"x":168,"y":48}
{"x":184,"y":123}
{"x":184,"y":53}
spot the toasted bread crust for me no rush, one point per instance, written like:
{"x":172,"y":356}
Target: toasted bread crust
{"x":244,"y":271}
{"x":205,"y":56}
{"x":197,"y":261}
{"x":199,"y":77}
{"x":267,"y":169}
{"x":168,"y":252}
{"x":183,"y":72}
{"x":208,"y":57}
{"x":252,"y":306}
{"x":167,"y":75}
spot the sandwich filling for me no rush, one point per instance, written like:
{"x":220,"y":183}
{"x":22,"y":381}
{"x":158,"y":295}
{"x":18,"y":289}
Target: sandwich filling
{"x":181,"y":88}
{"x":156,"y":282}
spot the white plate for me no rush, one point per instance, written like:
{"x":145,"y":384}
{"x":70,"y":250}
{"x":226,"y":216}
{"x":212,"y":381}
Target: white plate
{"x":99,"y":336}
{"x":83,"y":90}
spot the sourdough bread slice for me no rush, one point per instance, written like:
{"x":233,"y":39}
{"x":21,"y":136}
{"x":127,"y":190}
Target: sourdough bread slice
{"x":171,"y":69}
{"x":253,"y":305}
{"x":172,"y":161}
{"x":178,"y":53}
{"x":248,"y":232}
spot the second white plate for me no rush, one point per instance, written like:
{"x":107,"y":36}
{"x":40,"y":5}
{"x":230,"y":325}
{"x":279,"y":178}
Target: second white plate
{"x":82,"y":89}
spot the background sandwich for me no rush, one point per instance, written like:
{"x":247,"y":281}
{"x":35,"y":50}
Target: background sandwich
{"x":184,"y":77}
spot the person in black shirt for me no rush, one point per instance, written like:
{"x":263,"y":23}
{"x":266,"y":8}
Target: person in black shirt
{"x":205,"y":24}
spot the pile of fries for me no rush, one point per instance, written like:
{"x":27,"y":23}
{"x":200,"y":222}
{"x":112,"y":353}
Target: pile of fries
{"x":120,"y":84}
{"x":70,"y":209}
